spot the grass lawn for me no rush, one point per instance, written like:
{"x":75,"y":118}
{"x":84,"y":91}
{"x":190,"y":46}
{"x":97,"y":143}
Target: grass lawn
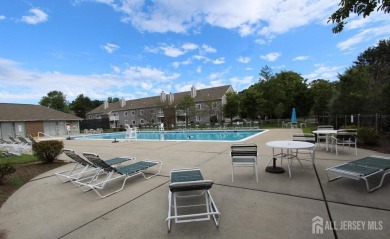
{"x":24,"y":158}
{"x":27,"y":167}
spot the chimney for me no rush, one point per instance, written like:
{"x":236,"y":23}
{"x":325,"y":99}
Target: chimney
{"x":193,"y":92}
{"x":105,"y":104}
{"x":171,"y":98}
{"x":123,"y":102}
{"x":163,"y":96}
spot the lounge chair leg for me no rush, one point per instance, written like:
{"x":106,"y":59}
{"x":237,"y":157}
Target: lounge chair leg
{"x":169,"y":223}
{"x":379,"y":185}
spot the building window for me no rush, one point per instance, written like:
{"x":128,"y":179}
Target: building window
{"x":133,"y":112}
{"x":98,"y":116}
{"x":133,"y":122}
{"x":141,"y":121}
{"x":125,"y":114}
{"x":198,"y":106}
{"x":90,"y":117}
{"x":141,"y":112}
{"x":126,"y":122}
{"x":198,"y":118}
{"x":152,"y":121}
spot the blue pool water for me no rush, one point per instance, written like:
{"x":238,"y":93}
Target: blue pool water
{"x":214,"y":135}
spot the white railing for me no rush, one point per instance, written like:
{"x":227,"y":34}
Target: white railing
{"x":180,"y":113}
{"x":114,"y":118}
{"x":47,"y":137}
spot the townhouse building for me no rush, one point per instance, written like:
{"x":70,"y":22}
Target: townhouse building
{"x":165,"y":108}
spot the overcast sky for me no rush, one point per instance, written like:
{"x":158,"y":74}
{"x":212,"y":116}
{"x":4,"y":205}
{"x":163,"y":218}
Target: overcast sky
{"x":135,"y":48}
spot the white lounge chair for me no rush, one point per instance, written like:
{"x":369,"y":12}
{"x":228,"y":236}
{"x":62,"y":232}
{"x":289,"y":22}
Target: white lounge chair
{"x":362,"y":169}
{"x":83,"y":168}
{"x":113,"y":173}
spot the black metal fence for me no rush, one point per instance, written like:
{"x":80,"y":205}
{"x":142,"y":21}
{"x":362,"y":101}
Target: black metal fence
{"x":380,"y":122}
{"x":103,"y":123}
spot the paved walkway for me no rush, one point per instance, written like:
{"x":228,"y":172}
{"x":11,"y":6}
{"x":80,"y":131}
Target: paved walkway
{"x":275,"y":207}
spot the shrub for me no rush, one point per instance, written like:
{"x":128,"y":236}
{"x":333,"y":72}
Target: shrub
{"x":47,"y":151}
{"x":368,"y":136}
{"x":213,"y":119}
{"x":6,"y":169}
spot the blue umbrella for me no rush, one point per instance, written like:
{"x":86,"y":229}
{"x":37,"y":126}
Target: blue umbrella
{"x":293,"y":116}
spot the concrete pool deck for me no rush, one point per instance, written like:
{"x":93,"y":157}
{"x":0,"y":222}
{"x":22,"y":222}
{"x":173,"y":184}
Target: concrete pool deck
{"x":275,"y":207}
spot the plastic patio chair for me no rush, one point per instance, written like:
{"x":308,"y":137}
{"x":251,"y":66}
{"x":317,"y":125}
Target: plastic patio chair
{"x":185,"y":184}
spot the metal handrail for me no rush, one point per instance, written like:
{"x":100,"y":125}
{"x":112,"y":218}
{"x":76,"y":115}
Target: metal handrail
{"x":46,"y":135}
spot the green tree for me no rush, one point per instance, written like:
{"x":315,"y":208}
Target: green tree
{"x":266,"y":73}
{"x":187,"y":105}
{"x":377,"y":61}
{"x":251,"y":102}
{"x":232,"y":107}
{"x":363,"y":87}
{"x":81,"y":105}
{"x":293,"y":92}
{"x":96,"y":103}
{"x":359,"y":7}
{"x":55,"y":100}
{"x":322,"y":92}
{"x":112,"y":100}
{"x":354,"y":91}
{"x":279,"y":110}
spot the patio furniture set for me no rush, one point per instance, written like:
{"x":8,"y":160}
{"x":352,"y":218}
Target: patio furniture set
{"x":186,"y":184}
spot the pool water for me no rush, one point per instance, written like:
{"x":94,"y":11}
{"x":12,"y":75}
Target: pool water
{"x":212,"y":135}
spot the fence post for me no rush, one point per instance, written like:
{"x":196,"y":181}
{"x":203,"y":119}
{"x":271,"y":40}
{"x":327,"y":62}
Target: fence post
{"x":376,"y":122}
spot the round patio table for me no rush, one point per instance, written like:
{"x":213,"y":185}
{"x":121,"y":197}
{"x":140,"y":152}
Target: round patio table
{"x":289,"y":145}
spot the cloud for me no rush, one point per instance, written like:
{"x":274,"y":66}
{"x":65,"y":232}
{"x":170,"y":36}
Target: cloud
{"x":241,"y":83}
{"x":247,"y":17}
{"x":273,"y":56}
{"x":126,"y":83}
{"x":208,"y":49}
{"x":300,"y":58}
{"x":2,"y":17}
{"x":219,"y":61}
{"x":325,"y":72}
{"x":110,"y":47}
{"x":176,"y":64}
{"x":171,"y":50}
{"x":189,"y":46}
{"x":36,"y":16}
{"x":139,"y":74}
{"x":260,"y":41}
{"x":366,"y":35}
{"x":244,"y":59}
{"x":246,"y":30}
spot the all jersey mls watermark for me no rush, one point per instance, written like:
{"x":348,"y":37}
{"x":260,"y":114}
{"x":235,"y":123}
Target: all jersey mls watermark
{"x":319,"y":225}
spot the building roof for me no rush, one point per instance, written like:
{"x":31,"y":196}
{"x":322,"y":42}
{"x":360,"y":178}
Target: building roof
{"x":25,"y":112}
{"x":215,"y":93}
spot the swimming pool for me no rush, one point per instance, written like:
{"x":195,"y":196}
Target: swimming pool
{"x":206,"y":135}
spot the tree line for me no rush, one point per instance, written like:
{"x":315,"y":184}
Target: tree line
{"x":79,"y":106}
{"x":362,"y":89}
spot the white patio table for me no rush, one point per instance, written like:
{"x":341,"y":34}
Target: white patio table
{"x":327,"y":132}
{"x":289,"y":146}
